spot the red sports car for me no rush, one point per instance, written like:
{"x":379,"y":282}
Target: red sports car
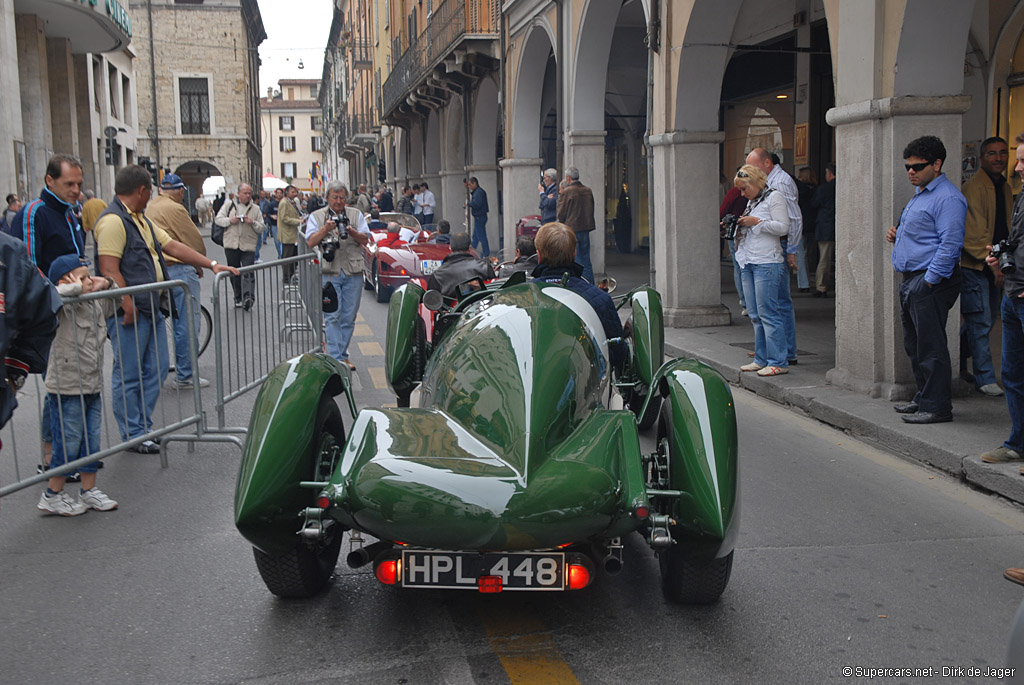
{"x":389,"y":266}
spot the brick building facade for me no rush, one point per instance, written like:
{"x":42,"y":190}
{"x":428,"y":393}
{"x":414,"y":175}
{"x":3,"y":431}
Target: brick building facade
{"x":202,"y":72}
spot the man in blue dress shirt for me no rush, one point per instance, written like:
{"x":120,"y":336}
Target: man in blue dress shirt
{"x":926,"y":250}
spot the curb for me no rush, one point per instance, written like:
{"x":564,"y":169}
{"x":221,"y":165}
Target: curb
{"x":830,"y":405}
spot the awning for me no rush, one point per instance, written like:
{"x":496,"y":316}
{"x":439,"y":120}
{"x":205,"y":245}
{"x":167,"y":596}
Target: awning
{"x":92,"y":26}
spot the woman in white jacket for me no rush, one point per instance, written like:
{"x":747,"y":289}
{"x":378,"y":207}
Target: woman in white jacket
{"x":759,"y":255}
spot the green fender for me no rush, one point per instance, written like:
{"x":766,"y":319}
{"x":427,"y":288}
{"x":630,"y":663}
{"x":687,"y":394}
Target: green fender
{"x":648,"y":334}
{"x":701,"y":435}
{"x":402,"y":340}
{"x":279,"y":450}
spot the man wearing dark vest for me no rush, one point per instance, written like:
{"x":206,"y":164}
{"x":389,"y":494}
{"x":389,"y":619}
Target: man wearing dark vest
{"x":339,"y":232}
{"x":131,"y":252}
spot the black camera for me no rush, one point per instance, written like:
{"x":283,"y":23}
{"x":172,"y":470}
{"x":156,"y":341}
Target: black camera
{"x":730,"y":224}
{"x":1003,"y":251}
{"x":341,"y":221}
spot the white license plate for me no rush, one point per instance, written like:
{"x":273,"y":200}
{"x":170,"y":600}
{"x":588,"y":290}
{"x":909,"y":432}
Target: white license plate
{"x":461,"y":570}
{"x":429,"y":266}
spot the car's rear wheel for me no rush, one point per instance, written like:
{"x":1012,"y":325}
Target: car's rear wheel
{"x":693,"y":581}
{"x":686,"y":577}
{"x":306,"y":569}
{"x":383,"y":291}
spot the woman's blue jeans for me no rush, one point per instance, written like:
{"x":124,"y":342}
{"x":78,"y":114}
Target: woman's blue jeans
{"x":761,"y":295}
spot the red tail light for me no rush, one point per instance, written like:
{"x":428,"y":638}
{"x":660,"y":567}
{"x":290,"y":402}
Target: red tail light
{"x":387,"y":571}
{"x":488,"y":584}
{"x":641,"y":512}
{"x":579,"y":576}
{"x":323,"y":502}
{"x":403,"y":272}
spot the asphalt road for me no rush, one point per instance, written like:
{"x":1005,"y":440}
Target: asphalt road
{"x":848,"y":557}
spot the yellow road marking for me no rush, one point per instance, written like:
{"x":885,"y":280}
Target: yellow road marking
{"x":360,"y":319}
{"x":371,"y":349}
{"x":525,"y":648}
{"x":362,"y":331}
{"x":380,"y":381}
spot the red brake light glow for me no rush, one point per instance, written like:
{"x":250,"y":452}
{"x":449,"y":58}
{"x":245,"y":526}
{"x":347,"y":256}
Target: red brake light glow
{"x":387,"y":571}
{"x":489,"y":584}
{"x":579,"y":577}
{"x":403,"y":272}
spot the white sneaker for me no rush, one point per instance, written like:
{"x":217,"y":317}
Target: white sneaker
{"x":991,"y":389}
{"x":61,"y":504}
{"x":743,"y":312}
{"x":96,"y":499}
{"x":187,"y":383}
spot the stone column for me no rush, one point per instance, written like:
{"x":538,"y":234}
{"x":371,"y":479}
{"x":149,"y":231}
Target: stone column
{"x":63,"y":110}
{"x":488,"y":177}
{"x":871,"y":191}
{"x":684,"y":236}
{"x":86,"y":143}
{"x":519,"y":190}
{"x":10,"y":103}
{"x":452,"y":201}
{"x":33,"y":77}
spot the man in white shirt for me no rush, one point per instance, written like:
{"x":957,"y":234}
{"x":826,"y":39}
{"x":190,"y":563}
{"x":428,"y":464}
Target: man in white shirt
{"x":782,"y":182}
{"x":427,"y":203}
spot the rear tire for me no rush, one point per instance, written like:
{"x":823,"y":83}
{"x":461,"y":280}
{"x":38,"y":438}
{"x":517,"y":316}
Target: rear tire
{"x":306,"y":569}
{"x":383,"y":292}
{"x":692,"y":581}
{"x":686,"y":578}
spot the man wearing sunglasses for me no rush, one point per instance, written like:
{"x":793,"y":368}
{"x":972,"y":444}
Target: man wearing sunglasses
{"x":926,"y":250}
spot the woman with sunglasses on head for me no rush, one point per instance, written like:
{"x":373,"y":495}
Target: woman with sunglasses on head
{"x":759,"y":255}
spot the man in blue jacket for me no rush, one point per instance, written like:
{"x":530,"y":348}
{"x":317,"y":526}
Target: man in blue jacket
{"x":49,"y":226}
{"x":478,"y":208}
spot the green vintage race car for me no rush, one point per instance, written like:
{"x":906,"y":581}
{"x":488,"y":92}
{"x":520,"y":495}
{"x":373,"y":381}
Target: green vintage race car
{"x":516,"y":472}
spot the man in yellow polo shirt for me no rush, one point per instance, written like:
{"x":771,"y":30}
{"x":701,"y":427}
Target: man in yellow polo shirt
{"x":131,"y":252}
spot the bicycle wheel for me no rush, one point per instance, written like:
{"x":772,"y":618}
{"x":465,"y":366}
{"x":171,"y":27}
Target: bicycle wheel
{"x":205,"y":330}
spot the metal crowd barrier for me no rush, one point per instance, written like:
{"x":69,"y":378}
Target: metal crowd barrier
{"x":175,"y":409}
{"x":284,"y":321}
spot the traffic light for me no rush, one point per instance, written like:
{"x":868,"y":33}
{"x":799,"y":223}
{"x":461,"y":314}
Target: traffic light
{"x":154,"y":172}
{"x":110,"y":151}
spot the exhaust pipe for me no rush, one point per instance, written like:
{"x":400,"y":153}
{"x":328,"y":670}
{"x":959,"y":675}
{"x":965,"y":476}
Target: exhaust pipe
{"x":611,"y":564}
{"x":364,"y":555}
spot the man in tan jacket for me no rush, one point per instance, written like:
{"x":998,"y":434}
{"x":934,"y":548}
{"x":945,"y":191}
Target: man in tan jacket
{"x":242,"y":221}
{"x":167,"y":211}
{"x":989,"y":207}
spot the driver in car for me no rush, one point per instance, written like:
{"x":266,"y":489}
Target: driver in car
{"x":556,"y":254}
{"x":393,"y":238}
{"x":460,"y":268}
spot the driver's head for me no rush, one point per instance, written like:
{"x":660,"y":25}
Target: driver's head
{"x":525,"y":246}
{"x":556,"y":244}
{"x":460,"y":242}
{"x":393,"y":227}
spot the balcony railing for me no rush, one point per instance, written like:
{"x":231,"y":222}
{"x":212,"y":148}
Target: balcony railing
{"x":452,"y":20}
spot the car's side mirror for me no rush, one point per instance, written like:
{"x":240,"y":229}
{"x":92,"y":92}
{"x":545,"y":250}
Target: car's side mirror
{"x":433,"y":300}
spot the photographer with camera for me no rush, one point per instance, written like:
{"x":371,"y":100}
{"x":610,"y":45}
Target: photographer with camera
{"x":758,"y":234}
{"x":338,"y":232}
{"x":1007,"y":261}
